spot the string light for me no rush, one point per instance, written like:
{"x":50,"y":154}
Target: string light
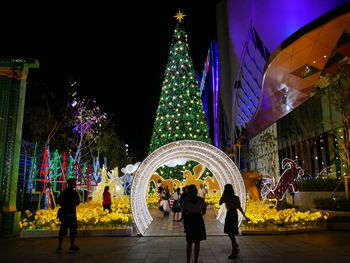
{"x":222,"y":167}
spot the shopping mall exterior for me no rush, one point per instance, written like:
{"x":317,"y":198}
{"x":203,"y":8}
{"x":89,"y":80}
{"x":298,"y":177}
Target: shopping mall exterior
{"x":268,"y":58}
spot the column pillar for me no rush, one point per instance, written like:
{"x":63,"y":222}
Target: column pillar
{"x":13,"y":75}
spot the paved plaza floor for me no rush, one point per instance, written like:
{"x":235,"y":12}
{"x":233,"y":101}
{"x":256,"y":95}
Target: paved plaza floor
{"x":165,"y":226}
{"x":308,"y":247}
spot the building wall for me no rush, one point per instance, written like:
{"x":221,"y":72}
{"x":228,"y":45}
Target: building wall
{"x":273,"y":20}
{"x":264,"y":153}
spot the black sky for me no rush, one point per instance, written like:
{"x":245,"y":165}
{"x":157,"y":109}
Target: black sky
{"x":117,"y":53}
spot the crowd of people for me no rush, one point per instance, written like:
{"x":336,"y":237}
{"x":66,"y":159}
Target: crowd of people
{"x":190,"y":206}
{"x":187,"y":207}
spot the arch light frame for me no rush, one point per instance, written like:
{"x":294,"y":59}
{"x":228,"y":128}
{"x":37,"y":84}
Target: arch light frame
{"x":222,"y":167}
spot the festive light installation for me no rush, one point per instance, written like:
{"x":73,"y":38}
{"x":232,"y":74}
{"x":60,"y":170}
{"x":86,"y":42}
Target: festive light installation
{"x":56,"y":174}
{"x":222,"y":167}
{"x":180,"y":114}
{"x":197,"y":178}
{"x":170,"y":171}
{"x":44,"y":177}
{"x":110,"y":179}
{"x":287,"y":181}
{"x":53,"y":176}
{"x":250,"y":179}
{"x":33,"y":171}
{"x":86,"y":122}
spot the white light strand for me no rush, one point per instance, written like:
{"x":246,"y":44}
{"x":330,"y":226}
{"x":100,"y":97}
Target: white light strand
{"x":222,"y":167}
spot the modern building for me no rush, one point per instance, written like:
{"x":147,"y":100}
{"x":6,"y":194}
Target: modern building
{"x":271,"y":56}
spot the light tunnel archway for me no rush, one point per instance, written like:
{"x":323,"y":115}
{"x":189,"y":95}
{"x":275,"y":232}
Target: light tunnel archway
{"x":222,"y":167}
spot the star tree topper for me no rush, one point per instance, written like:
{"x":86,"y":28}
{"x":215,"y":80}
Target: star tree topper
{"x":179,"y":16}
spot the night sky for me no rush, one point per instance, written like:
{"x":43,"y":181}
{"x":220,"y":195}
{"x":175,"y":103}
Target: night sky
{"x":116,"y":53}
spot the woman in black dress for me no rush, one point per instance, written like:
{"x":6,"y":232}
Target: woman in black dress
{"x":232,"y":203}
{"x":193,"y":209}
{"x":176,"y":205}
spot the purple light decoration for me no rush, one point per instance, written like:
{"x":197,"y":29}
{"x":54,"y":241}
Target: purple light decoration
{"x":215,"y":90}
{"x":274,"y":20}
{"x":85,"y":120}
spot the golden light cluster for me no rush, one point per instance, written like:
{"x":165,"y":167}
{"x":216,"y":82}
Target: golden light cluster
{"x":264,"y":215}
{"x":89,"y":215}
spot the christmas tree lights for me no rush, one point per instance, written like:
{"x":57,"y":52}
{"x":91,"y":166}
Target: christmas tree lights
{"x":180,"y":114}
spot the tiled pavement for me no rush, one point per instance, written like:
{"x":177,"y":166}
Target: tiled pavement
{"x":308,"y":247}
{"x":165,"y":226}
{"x":165,"y":243}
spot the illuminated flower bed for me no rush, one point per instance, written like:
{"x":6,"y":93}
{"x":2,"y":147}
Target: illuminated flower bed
{"x":264,"y":216}
{"x":213,"y":198}
{"x":90,"y":216}
{"x":152,"y":200}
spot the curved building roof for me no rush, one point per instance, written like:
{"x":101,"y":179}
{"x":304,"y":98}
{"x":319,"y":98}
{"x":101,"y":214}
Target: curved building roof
{"x":298,"y":63}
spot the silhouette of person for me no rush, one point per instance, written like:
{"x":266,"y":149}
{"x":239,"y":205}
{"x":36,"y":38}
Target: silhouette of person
{"x":193,"y":208}
{"x":182,"y":199}
{"x":232,"y":203}
{"x":68,"y":200}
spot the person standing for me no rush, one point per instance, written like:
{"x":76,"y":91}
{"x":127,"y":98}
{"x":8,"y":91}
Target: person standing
{"x":202,"y":191}
{"x":194,"y":208}
{"x":232,"y":203}
{"x":159,"y":185}
{"x":107,"y":202}
{"x":68,"y":200}
{"x":166,"y":193}
{"x":176,"y":205}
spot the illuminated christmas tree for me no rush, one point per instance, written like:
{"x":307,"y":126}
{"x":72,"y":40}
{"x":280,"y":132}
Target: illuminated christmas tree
{"x":180,"y":114}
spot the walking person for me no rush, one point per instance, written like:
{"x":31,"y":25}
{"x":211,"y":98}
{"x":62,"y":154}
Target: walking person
{"x":194,"y":208}
{"x":232,"y":203}
{"x":176,"y":205}
{"x":68,"y":200}
{"x":107,"y":201}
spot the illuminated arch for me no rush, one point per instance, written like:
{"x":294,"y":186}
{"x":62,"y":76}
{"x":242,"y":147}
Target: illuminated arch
{"x":213,"y":158}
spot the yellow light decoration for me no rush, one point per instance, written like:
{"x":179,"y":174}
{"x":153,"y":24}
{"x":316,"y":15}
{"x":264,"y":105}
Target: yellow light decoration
{"x":222,"y":167}
{"x":89,"y":215}
{"x":179,"y":16}
{"x":261,"y":214}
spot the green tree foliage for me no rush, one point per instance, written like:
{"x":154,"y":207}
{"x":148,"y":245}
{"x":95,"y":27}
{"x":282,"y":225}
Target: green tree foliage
{"x":180,"y":114}
{"x":337,"y":95}
{"x":110,"y":145}
{"x":47,"y":119}
{"x":46,"y":115}
{"x":307,"y":123}
{"x":321,"y":185}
